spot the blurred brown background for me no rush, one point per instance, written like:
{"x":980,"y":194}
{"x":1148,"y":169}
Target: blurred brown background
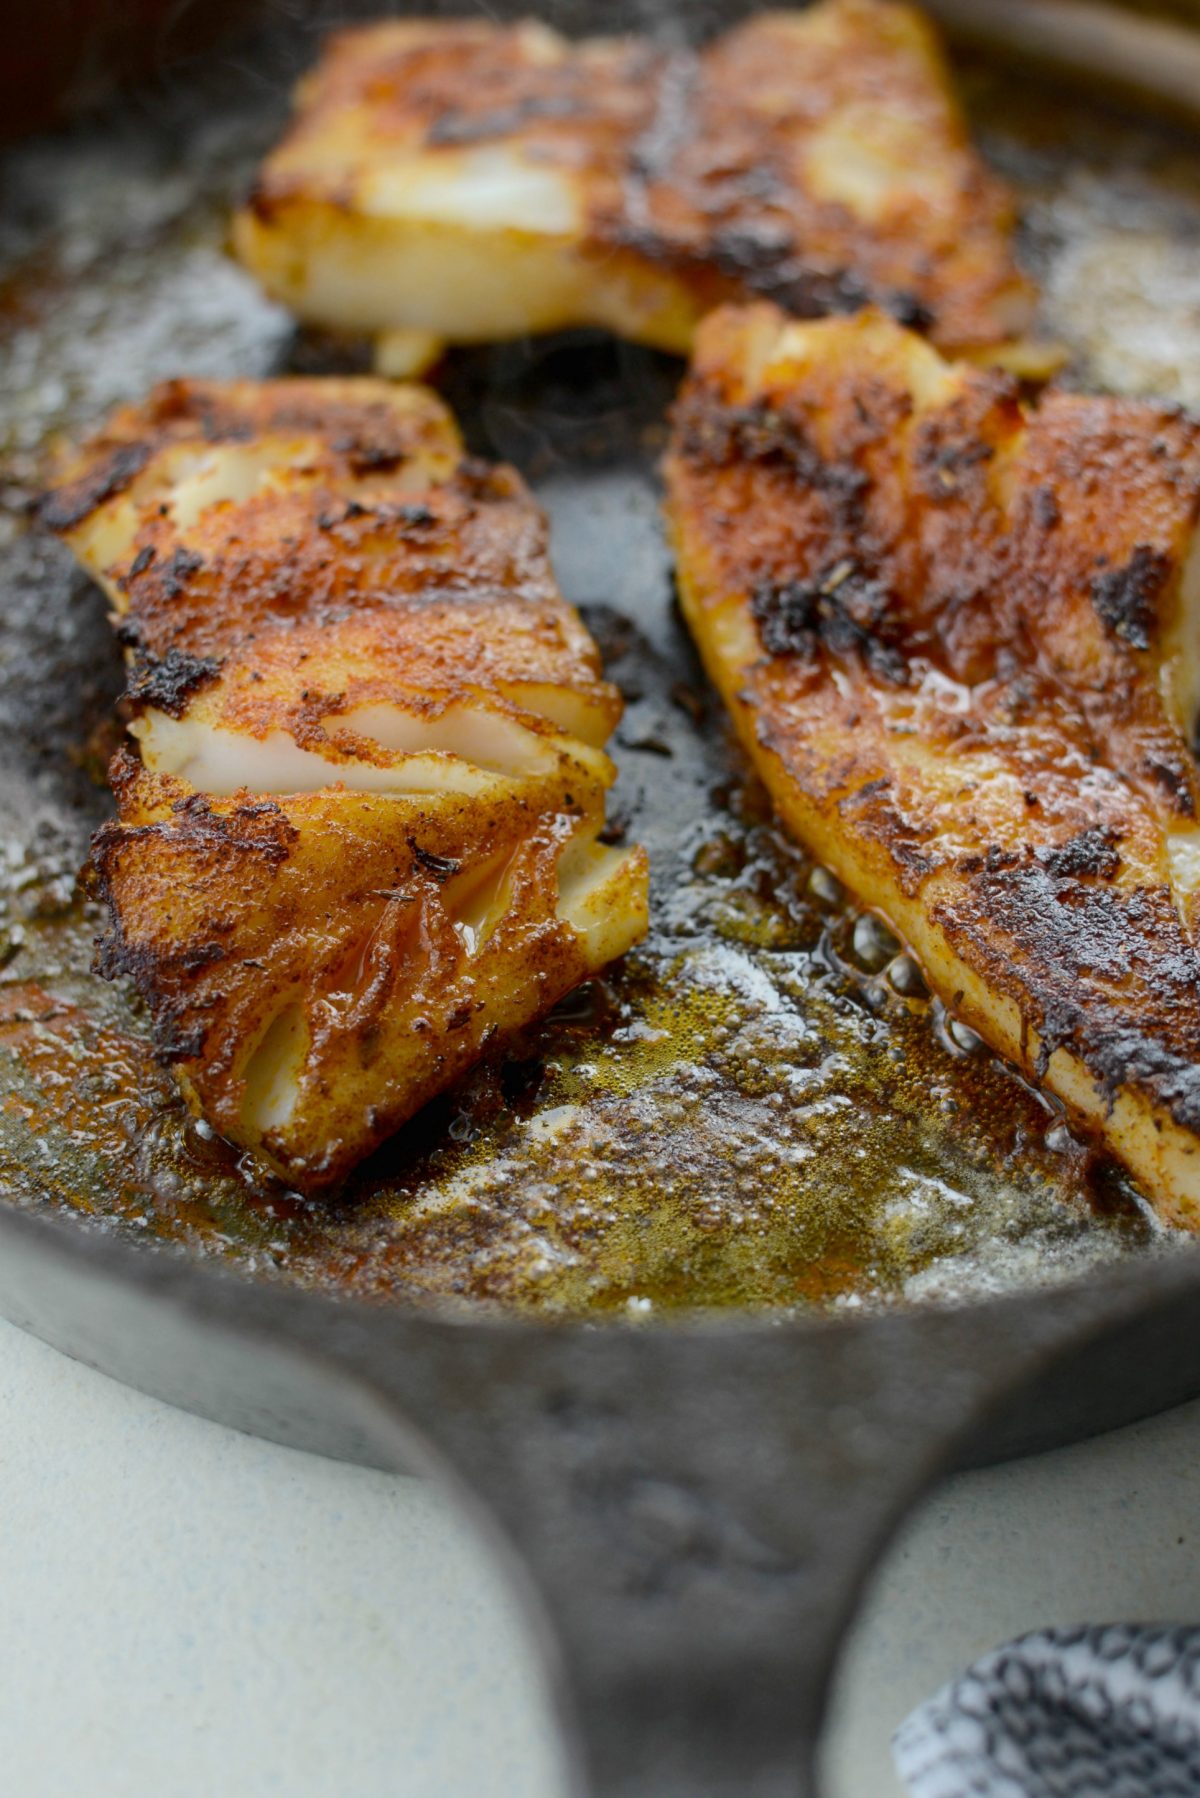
{"x":58,"y":57}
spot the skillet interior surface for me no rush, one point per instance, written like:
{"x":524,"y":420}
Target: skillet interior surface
{"x":760,"y":1107}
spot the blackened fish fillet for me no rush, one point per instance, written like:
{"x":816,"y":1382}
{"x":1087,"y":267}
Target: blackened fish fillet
{"x":464,"y":181}
{"x":357,"y":834}
{"x":960,"y":639}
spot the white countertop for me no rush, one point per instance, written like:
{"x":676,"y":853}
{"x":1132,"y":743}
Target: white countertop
{"x":190,"y":1612}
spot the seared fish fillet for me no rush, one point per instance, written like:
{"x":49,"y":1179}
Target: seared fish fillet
{"x":357,"y":838}
{"x":464,"y":181}
{"x":960,"y":641}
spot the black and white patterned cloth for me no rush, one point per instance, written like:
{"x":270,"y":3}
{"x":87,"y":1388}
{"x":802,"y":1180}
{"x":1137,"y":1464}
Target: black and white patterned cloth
{"x":1105,"y":1711}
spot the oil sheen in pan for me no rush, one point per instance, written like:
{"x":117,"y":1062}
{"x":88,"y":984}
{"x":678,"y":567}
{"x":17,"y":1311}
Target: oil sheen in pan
{"x":761,"y":1106}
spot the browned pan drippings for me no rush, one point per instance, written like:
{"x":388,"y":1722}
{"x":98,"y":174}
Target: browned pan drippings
{"x":760,"y":1106}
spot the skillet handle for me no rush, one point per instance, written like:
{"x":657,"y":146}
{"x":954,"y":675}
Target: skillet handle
{"x":687,"y":1522}
{"x":690,"y":1511}
{"x":693,"y":1513}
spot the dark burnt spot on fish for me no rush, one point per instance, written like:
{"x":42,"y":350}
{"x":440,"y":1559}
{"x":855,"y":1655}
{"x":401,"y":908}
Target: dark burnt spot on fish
{"x":806,"y":292}
{"x":1127,"y":598}
{"x":871,"y":789}
{"x":1089,"y":852}
{"x":909,"y":310}
{"x":716,"y":435}
{"x":1175,"y":777}
{"x":260,"y":827}
{"x":139,"y":565}
{"x":201,"y":955}
{"x":173,"y":1039}
{"x":757,"y":255}
{"x":168,"y":682}
{"x":760,"y":254}
{"x":413,"y":518}
{"x":946,"y":459}
{"x":843,"y":609}
{"x":375,"y":458}
{"x":178,"y":570}
{"x":373,"y":447}
{"x":68,"y":506}
{"x":913,"y":863}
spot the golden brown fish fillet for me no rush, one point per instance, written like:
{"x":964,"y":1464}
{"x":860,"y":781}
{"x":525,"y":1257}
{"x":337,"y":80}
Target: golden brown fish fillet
{"x":960,"y":641}
{"x":464,"y":181}
{"x":357,"y":840}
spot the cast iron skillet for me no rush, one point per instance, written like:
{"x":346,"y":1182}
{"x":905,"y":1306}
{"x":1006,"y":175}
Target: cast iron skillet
{"x":691,"y":1509}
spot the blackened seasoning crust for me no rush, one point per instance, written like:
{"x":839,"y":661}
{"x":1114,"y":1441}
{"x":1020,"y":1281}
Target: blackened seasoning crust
{"x":1126,"y":598}
{"x":68,"y":506}
{"x":841,"y":608}
{"x":1091,"y":852}
{"x":169,"y":682}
